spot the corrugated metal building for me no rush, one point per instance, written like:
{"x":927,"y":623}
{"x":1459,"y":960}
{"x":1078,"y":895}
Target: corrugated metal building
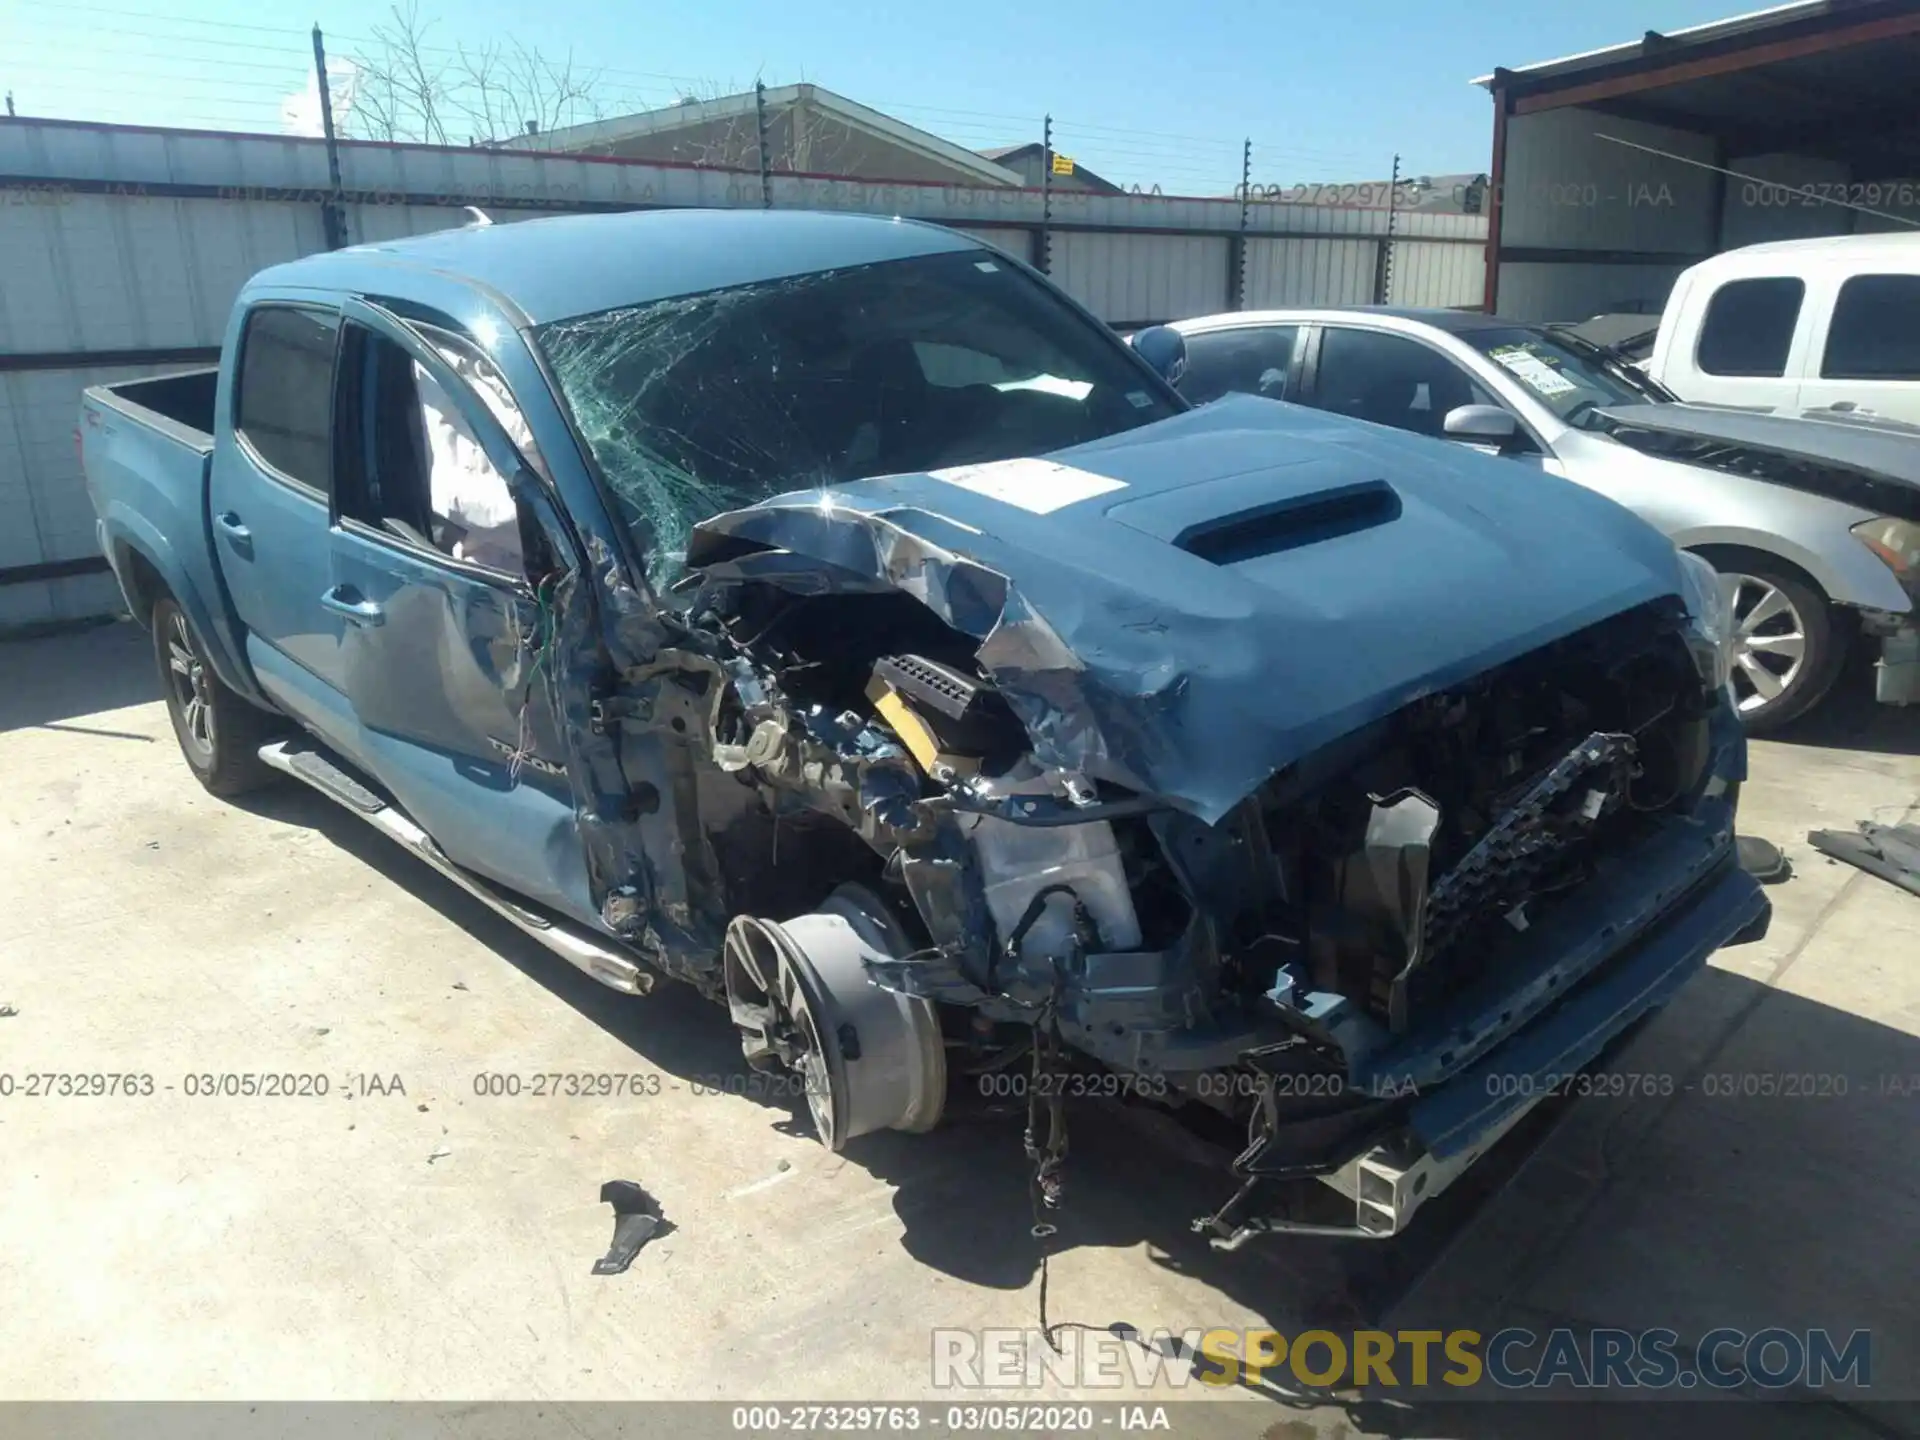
{"x":1616,"y":169}
{"x":124,"y":248}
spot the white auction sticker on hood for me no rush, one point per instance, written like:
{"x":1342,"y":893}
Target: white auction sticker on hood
{"x":1041,"y":486}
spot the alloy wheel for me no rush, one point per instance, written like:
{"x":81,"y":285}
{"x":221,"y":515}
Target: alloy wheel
{"x":192,"y":686}
{"x":1769,"y":641}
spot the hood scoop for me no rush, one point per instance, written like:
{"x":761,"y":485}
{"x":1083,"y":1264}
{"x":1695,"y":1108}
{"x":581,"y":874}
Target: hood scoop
{"x":1262,"y":512}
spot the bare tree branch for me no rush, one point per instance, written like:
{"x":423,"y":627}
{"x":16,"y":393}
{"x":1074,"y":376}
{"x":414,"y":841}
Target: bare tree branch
{"x":406,"y":88}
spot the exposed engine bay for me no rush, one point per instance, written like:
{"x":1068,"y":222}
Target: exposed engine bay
{"x":921,"y":907}
{"x":1306,"y":790}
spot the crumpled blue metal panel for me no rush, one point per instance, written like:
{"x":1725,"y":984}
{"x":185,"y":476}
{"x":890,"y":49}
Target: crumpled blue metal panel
{"x":1142,"y":663}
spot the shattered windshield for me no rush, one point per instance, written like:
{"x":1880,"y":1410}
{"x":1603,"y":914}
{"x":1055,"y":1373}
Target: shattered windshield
{"x":711,"y":402}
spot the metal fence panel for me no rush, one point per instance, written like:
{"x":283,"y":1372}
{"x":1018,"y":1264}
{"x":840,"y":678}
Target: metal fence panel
{"x":1571,"y":185}
{"x":1142,"y":279}
{"x":44,"y":510}
{"x":87,"y":273}
{"x":1426,"y":273}
{"x":1309,"y":272}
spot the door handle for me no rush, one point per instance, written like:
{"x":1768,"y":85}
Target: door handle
{"x":238,"y":535}
{"x":347,"y":601}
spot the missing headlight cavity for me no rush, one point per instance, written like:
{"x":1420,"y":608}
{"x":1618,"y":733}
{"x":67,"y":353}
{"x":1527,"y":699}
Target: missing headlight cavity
{"x":1053,"y":809}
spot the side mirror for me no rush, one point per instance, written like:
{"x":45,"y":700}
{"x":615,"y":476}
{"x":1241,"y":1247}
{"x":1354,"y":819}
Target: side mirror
{"x":1480,"y":425}
{"x":1164,"y":348}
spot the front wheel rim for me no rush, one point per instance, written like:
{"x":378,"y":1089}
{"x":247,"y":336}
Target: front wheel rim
{"x":191,"y":687}
{"x":1769,"y":648}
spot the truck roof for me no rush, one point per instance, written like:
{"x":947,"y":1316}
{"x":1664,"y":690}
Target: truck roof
{"x":572,"y":265}
{"x":1902,"y":246}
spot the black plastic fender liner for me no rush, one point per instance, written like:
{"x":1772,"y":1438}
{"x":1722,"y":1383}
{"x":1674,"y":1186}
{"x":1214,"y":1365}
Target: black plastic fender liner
{"x":636,"y":1220}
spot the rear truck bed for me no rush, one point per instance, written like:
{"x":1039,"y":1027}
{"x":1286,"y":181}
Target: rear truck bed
{"x":146,"y":448}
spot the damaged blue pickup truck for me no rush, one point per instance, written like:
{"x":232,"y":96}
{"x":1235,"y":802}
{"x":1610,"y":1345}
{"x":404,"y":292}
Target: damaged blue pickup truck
{"x":829,"y":613}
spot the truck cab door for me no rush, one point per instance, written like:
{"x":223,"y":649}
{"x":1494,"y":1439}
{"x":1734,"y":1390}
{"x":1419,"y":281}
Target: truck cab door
{"x":1751,"y":344}
{"x":1865,"y":352}
{"x":269,"y":501}
{"x":437,"y":572}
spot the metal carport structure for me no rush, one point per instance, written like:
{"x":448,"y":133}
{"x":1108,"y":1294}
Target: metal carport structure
{"x":1615,"y":169}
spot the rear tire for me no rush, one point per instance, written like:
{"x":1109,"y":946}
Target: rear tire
{"x":1789,"y":642}
{"x":220,"y":734}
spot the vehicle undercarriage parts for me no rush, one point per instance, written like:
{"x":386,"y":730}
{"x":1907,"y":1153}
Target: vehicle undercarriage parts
{"x":1382,"y":904}
{"x":1372,"y":1196}
{"x":1890,"y":851}
{"x":1522,"y":851}
{"x":1896,"y":674}
{"x":1076,"y":865}
{"x":869,"y":1058}
{"x":914,"y":732}
{"x":1204,"y":890}
{"x":1303,"y":1110}
{"x":636,"y":1220}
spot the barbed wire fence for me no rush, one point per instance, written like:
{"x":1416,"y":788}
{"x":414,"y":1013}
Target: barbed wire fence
{"x":409,"y":79}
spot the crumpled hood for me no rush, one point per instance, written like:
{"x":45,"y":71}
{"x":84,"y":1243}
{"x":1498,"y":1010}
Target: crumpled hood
{"x":1185,"y":608}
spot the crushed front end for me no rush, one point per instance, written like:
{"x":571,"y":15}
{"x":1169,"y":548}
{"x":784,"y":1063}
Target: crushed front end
{"x":1345,"y":919}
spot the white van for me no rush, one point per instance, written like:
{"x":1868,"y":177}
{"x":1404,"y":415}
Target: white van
{"x":1798,"y":325}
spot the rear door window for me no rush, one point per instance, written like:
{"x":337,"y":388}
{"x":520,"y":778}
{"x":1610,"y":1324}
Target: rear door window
{"x":285,"y":405}
{"x":1389,"y":380}
{"x":1748,"y":329}
{"x":1250,"y":359}
{"x":1875,"y":330}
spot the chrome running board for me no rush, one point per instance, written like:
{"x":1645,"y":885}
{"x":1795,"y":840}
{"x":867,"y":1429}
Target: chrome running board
{"x":315,"y":768}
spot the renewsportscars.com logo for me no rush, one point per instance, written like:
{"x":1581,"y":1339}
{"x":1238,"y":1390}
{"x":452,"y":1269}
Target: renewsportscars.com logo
{"x":1512,"y":1359}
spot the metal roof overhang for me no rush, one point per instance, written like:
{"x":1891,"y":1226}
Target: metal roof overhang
{"x":1822,"y":78}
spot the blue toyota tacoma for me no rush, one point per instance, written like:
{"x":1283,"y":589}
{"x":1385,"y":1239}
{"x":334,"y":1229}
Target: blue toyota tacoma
{"x":829,"y":613}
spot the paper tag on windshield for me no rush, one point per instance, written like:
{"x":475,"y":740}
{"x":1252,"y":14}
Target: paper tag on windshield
{"x":1539,"y":376}
{"x":1037,"y":485}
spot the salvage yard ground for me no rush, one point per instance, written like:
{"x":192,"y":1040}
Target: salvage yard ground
{"x":436,"y":1244}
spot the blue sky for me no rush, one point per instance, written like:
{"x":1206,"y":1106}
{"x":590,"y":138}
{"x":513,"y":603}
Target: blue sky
{"x":1140,"y":92}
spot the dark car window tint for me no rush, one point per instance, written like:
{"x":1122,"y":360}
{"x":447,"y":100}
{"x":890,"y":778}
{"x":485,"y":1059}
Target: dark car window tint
{"x":1253,"y":360}
{"x":1875,"y":332}
{"x":1749,"y":327}
{"x":286,"y":391}
{"x":1389,"y":380}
